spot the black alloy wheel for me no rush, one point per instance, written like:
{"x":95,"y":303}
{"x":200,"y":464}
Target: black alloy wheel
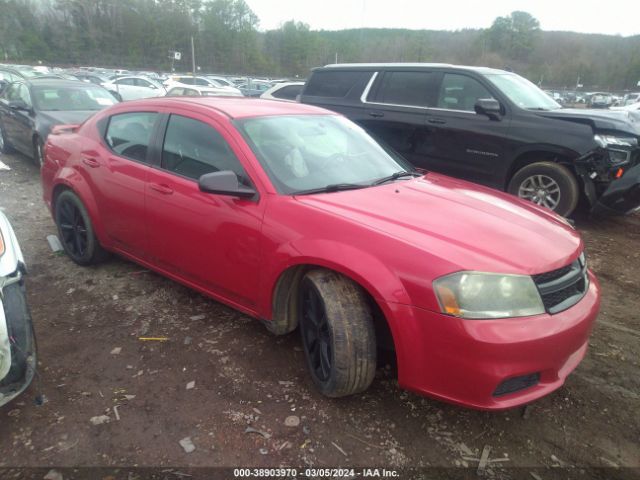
{"x":316,"y":334}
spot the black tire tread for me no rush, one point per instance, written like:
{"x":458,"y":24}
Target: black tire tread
{"x":351,"y":323}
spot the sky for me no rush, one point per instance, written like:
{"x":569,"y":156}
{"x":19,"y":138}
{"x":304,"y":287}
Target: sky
{"x":614,"y":17}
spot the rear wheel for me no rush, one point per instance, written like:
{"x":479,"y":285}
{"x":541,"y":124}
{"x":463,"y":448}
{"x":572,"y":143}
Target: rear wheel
{"x":5,"y":147}
{"x":337,"y":331}
{"x":547,"y":184}
{"x":76,"y":230}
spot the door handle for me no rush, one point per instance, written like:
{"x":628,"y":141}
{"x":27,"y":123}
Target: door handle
{"x":163,"y":189}
{"x":437,"y":121}
{"x":376,"y":114}
{"x":91,"y":162}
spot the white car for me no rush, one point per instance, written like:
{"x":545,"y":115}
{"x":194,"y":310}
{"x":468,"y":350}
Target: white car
{"x":190,"y":81}
{"x":134,"y":88}
{"x":285,"y":91}
{"x":629,"y":107}
{"x":17,"y":338}
{"x":180,"y":90}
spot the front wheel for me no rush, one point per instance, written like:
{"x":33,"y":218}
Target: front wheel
{"x":76,"y":231}
{"x":5,"y":147}
{"x":547,"y":184}
{"x":337,"y":333}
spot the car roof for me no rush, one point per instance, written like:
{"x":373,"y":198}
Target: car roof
{"x":372,"y":66}
{"x":235,"y":107}
{"x":55,"y":82}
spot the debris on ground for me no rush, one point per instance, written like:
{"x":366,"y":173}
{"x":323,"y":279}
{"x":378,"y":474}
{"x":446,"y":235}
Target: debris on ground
{"x":4,"y":167}
{"x":100,"y":419}
{"x":292,"y":421}
{"x":187,"y":445}
{"x":484,"y":459}
{"x":54,"y":243}
{"x":259,"y":432}
{"x":116,"y":351}
{"x":191,"y":385}
{"x":339,"y":449}
{"x":53,"y":475}
{"x":197,"y":317}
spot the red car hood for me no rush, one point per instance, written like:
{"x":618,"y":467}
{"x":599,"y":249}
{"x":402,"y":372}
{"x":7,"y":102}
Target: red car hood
{"x":468,"y":226}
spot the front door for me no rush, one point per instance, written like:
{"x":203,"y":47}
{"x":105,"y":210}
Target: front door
{"x":208,"y":239}
{"x":465,"y":144}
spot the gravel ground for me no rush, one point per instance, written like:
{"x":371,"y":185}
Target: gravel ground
{"x":220,"y":372}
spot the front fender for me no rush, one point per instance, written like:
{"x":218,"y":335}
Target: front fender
{"x":363,"y":268}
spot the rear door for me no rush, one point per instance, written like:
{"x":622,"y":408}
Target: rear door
{"x":210,"y":240}
{"x":396,"y":112}
{"x":118,"y":174}
{"x":463,"y":143}
{"x":18,"y":124}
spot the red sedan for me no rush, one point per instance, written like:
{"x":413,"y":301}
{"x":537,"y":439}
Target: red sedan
{"x":295,"y":216}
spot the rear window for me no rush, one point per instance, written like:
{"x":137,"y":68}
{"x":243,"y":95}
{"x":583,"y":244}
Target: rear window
{"x":334,"y":84}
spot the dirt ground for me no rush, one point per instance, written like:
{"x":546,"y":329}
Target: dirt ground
{"x":244,"y":377}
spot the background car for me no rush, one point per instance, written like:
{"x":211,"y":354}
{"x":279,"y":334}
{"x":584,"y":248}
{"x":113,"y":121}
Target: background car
{"x":30,"y":109}
{"x":134,"y":88}
{"x":205,"y":82}
{"x":254,"y":88}
{"x":294,"y":215}
{"x":285,"y":91}
{"x":17,"y":338}
{"x":179,"y":90}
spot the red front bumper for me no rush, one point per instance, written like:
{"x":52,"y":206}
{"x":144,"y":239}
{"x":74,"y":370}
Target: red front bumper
{"x":464,"y":361}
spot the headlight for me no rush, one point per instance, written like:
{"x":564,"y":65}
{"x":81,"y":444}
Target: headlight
{"x":611,"y":140}
{"x":488,"y":295}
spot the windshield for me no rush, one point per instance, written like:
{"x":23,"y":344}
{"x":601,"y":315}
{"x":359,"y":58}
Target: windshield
{"x":310,"y":152}
{"x":71,"y":98}
{"x":522,"y":92}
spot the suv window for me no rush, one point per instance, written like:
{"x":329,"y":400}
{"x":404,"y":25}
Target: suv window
{"x":193,"y":148}
{"x":333,"y":84}
{"x":128,"y":134}
{"x":460,"y":92}
{"x":405,"y":88}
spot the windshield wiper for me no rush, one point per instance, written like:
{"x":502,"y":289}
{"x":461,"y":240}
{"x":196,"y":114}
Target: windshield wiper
{"x":396,"y":176}
{"x":334,"y":187}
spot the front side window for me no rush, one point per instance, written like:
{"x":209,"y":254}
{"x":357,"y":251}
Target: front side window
{"x":126,"y":81}
{"x":192,"y":148}
{"x":522,"y":92}
{"x":309,"y":152}
{"x":290,"y":92}
{"x":72,"y":98}
{"x":405,"y":88}
{"x":460,"y":92}
{"x":140,"y":82}
{"x":175,"y":92}
{"x":129,"y":134}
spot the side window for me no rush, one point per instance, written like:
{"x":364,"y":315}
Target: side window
{"x":190,"y":92}
{"x":201,"y":82}
{"x":175,"y":92}
{"x":12,"y":92}
{"x":126,"y":81}
{"x":460,"y":92}
{"x":141,"y":83}
{"x":335,"y":84}
{"x":405,"y":88}
{"x":24,"y":95}
{"x":128,"y":134}
{"x":290,"y":92}
{"x":193,"y":148}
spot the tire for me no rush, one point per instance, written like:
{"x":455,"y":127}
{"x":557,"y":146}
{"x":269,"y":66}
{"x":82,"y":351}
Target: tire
{"x":5,"y":146}
{"x":38,"y":151}
{"x":76,"y":232}
{"x":342,"y":358}
{"x":548,"y":184}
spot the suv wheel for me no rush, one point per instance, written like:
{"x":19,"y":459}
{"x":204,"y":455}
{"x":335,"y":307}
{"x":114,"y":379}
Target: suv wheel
{"x":547,"y":184}
{"x":337,"y":333}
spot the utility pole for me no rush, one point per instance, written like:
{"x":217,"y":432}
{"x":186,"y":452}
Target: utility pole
{"x":336,"y":58}
{"x":193,"y":57}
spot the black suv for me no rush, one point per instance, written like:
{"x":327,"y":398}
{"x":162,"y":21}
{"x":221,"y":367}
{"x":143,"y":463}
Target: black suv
{"x":491,"y":127}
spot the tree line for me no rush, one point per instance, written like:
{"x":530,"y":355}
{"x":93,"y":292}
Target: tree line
{"x":141,"y":34}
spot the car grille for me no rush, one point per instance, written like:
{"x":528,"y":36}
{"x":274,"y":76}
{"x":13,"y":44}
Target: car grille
{"x":562,"y":288}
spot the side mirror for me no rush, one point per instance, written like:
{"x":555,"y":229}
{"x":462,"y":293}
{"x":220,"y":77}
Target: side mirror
{"x":489,"y":107}
{"x":18,"y":105}
{"x":224,"y":182}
